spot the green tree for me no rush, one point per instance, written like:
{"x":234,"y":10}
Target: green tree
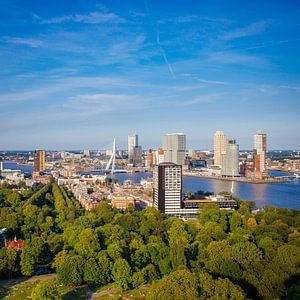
{"x":209,"y":213}
{"x":245,"y":254}
{"x":178,"y":240}
{"x":60,"y":260}
{"x":235,"y":221}
{"x":122,"y":274}
{"x":27,"y":260}
{"x":92,"y":272}
{"x":88,"y":244}
{"x":46,"y":290}
{"x":12,"y":261}
{"x":218,"y":289}
{"x":105,"y":267}
{"x":72,"y":270}
{"x":179,"y":285}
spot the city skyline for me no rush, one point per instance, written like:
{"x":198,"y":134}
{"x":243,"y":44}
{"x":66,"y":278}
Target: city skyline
{"x":75,"y":76}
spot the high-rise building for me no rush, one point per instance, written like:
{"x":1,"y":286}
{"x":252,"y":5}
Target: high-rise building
{"x":136,"y":159}
{"x":167,"y":193}
{"x":174,"y":145}
{"x":39,"y":161}
{"x":259,"y":155}
{"x":230,"y":159}
{"x":150,"y":158}
{"x":159,"y":156}
{"x":219,"y":147}
{"x":86,"y":153}
{"x":132,"y":143}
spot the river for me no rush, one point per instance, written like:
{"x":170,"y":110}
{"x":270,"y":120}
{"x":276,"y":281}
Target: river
{"x":276,"y":194}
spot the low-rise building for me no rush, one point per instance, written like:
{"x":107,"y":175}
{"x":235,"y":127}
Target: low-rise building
{"x":16,"y":244}
{"x":122,"y":202}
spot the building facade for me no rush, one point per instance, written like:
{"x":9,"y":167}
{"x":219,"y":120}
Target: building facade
{"x":259,"y":154}
{"x":136,"y":159}
{"x":159,"y":157}
{"x":132,"y":143}
{"x":230,"y":159}
{"x":174,"y":145}
{"x":167,"y":192}
{"x":39,"y":161}
{"x":150,"y":158}
{"x":219,"y":147}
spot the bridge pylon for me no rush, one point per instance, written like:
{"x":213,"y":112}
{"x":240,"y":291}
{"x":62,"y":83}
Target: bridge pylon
{"x":112,"y":160}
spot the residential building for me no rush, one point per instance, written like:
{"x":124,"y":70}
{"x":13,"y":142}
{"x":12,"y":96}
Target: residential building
{"x":150,"y":158}
{"x":230,"y":159}
{"x":39,"y":161}
{"x":167,"y":187}
{"x":132,"y":143}
{"x":296,"y":165}
{"x":219,"y":147}
{"x":122,"y":202}
{"x":86,"y":153}
{"x":174,"y":145}
{"x":167,"y":191}
{"x":259,"y":155}
{"x":159,"y":156}
{"x":136,"y":159}
{"x":15,"y":244}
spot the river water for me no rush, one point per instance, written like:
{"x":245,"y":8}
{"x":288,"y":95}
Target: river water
{"x":277,"y":194}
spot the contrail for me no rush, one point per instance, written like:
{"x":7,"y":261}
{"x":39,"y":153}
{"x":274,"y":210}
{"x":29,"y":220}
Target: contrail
{"x":161,"y":49}
{"x":163,"y":53}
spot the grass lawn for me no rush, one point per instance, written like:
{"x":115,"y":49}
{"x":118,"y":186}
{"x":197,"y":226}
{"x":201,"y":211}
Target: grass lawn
{"x":21,"y":289}
{"x":103,"y":288}
{"x":131,"y":294}
{"x":71,"y":293}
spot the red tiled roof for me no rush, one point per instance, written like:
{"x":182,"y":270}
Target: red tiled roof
{"x":18,"y":244}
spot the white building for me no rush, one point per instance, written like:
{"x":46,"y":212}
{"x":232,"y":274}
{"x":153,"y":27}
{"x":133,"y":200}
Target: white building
{"x":159,"y":156}
{"x":174,"y":145}
{"x":230,"y":159}
{"x":86,"y":153}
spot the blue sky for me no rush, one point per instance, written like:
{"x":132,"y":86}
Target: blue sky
{"x":75,"y":74}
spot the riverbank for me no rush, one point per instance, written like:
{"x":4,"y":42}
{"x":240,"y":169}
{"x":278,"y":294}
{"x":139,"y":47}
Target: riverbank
{"x":241,"y":179}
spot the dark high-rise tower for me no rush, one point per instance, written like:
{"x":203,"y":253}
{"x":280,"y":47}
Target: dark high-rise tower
{"x":167,"y":187}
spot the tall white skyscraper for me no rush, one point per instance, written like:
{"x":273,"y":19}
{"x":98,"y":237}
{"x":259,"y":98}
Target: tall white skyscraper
{"x":219,"y":147}
{"x":132,"y":143}
{"x":174,"y":145}
{"x":259,"y":155}
{"x":230,"y":159}
{"x":167,"y":187}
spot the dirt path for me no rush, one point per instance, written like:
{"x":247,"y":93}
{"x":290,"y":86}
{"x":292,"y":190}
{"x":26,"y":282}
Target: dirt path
{"x":103,"y":293}
{"x":44,"y":277}
{"x":7,"y":283}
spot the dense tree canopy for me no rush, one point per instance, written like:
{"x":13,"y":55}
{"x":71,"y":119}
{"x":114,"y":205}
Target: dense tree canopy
{"x":222,"y":255}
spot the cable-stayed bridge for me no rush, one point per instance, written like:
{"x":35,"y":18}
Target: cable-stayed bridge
{"x":110,"y":167}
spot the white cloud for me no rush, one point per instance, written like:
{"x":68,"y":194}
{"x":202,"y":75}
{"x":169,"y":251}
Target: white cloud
{"x":252,"y":29}
{"x":69,"y":84}
{"x":91,"y":18}
{"x":102,"y":98}
{"x":212,"y":81}
{"x":237,"y":59}
{"x":34,"y":43}
{"x":201,"y":99}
